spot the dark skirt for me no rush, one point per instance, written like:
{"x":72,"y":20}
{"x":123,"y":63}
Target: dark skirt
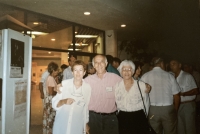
{"x":132,"y":122}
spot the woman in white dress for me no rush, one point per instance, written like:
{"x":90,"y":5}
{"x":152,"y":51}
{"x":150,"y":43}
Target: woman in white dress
{"x":71,"y":105}
{"x":131,"y":116}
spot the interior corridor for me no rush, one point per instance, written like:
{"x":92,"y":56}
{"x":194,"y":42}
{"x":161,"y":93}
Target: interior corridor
{"x":36,"y":111}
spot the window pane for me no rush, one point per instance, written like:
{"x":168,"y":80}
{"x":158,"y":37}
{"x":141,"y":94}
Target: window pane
{"x":88,"y":40}
{"x":50,"y":32}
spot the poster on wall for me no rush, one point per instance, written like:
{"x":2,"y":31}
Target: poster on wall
{"x":0,"y":43}
{"x":17,"y":59}
{"x":20,"y":98}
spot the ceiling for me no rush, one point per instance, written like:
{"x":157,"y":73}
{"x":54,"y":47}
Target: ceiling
{"x":170,"y":26}
{"x":140,"y":16}
{"x":143,"y":18}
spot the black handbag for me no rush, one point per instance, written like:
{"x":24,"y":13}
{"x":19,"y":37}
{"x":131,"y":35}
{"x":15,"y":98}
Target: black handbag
{"x":151,"y":130}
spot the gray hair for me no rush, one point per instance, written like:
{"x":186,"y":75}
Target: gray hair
{"x":102,"y":56}
{"x":126,"y":63}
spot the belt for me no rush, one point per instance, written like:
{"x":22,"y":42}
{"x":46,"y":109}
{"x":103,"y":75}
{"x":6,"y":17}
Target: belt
{"x":187,"y":101}
{"x":160,"y":105}
{"x":104,"y":113}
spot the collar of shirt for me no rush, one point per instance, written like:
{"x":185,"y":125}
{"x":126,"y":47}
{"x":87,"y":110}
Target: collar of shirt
{"x":104,"y":75}
{"x":156,"y":68}
{"x":181,"y":72}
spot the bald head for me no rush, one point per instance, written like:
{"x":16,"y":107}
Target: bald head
{"x":100,"y":62}
{"x":99,"y":56}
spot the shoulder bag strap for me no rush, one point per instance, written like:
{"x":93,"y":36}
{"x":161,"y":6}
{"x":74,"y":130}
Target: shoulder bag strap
{"x":141,"y":97}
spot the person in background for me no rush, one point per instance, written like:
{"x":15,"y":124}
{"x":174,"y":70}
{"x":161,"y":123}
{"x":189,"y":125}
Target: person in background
{"x":102,"y":108}
{"x":138,"y":70}
{"x":67,"y":73}
{"x":71,"y":105}
{"x":164,"y":98}
{"x":60,"y":74}
{"x":110,"y":68}
{"x":131,"y":117}
{"x":51,"y":88}
{"x":116,"y":62}
{"x":90,"y":69}
{"x":42,"y":84}
{"x":189,"y":90}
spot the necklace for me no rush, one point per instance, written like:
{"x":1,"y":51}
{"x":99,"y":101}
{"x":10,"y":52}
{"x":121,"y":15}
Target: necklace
{"x":76,"y":92}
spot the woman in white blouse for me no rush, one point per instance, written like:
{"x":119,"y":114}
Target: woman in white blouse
{"x":131,"y":116}
{"x":71,"y":104}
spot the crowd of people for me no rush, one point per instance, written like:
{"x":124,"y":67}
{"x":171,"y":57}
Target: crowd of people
{"x":110,"y":96}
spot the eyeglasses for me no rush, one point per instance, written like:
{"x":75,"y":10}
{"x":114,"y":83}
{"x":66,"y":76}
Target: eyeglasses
{"x":126,"y":69}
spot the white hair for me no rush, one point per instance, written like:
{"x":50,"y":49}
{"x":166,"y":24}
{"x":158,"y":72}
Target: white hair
{"x":102,"y":56}
{"x":126,"y":63}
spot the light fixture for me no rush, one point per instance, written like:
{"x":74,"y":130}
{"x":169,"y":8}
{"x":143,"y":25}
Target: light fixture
{"x":86,"y":36}
{"x":49,"y":52}
{"x":76,"y":32}
{"x":123,"y":25}
{"x":72,"y":49}
{"x":81,"y":44}
{"x":36,"y":33}
{"x":35,"y":23}
{"x":53,"y":39}
{"x":86,"y":13}
{"x":33,"y":36}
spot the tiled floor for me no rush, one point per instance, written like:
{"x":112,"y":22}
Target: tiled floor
{"x":36,"y":113}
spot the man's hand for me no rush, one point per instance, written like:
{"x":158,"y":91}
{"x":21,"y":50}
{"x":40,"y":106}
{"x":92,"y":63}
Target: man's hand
{"x":148,"y":88}
{"x":41,"y":90}
{"x":87,"y":128}
{"x":42,"y":95}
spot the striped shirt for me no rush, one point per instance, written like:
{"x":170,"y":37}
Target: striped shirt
{"x":103,"y":96}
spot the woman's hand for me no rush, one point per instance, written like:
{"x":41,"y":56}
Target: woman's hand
{"x":87,"y":129}
{"x":58,"y":88}
{"x":148,"y":88}
{"x":67,"y":101}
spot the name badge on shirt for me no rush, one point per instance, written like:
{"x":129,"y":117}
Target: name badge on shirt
{"x":109,"y":89}
{"x":81,"y":103}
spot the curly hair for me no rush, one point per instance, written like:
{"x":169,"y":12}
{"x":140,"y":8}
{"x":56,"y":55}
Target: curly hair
{"x":52,"y":67}
{"x":79,"y":62}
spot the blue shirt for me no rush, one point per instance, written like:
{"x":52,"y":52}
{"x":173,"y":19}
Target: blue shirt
{"x":111,"y":69}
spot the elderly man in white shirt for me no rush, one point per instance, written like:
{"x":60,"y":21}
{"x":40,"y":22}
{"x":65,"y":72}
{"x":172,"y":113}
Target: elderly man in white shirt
{"x":164,"y":98}
{"x":42,"y":84}
{"x":189,"y":90}
{"x":67,"y":73}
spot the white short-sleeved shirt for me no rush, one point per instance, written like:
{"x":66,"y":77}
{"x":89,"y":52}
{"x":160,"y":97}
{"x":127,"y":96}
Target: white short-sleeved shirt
{"x":67,"y":73}
{"x":186,"y":83}
{"x":163,"y":86}
{"x":43,"y":80}
{"x":131,"y":100}
{"x":71,"y":119}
